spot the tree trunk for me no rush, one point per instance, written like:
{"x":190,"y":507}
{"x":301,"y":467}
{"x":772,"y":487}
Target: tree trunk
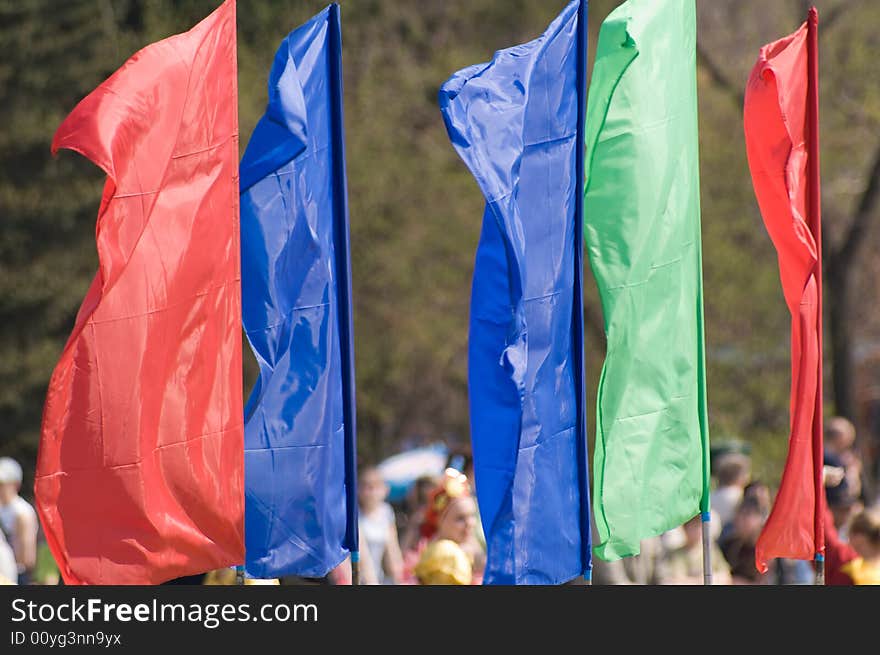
{"x":837,"y":302}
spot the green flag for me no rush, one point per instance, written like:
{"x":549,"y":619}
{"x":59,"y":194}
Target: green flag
{"x":642,"y":230}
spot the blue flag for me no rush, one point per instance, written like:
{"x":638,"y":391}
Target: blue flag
{"x":299,"y":420}
{"x":517,"y":123}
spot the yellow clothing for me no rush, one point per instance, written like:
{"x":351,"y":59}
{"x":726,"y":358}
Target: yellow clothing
{"x":220,"y":577}
{"x":861,"y":572}
{"x":444,"y":562}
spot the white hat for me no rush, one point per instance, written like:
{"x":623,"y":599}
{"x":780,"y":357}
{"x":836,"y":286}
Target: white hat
{"x":10,"y":470}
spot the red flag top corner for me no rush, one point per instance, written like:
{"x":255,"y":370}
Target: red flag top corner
{"x":140,"y":467}
{"x":776,"y":132}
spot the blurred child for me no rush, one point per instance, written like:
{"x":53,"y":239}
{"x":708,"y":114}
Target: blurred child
{"x":733,"y":471}
{"x":378,"y":527}
{"x":840,"y":451}
{"x":8,"y":567}
{"x":18,"y":519}
{"x":416,"y":503}
{"x":448,"y":524}
{"x":864,"y":537}
{"x":738,"y":544}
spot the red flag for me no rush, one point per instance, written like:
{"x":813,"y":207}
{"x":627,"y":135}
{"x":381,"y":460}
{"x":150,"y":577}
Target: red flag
{"x":140,"y":468}
{"x":782,"y":147}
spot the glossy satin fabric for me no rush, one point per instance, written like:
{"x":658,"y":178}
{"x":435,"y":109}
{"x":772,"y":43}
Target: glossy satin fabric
{"x":295,"y":514}
{"x":642,"y":230}
{"x":514,"y":121}
{"x":140,"y":473}
{"x":775,"y":131}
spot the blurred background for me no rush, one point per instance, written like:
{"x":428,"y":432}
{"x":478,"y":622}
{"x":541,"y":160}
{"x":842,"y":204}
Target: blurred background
{"x":416,"y":211}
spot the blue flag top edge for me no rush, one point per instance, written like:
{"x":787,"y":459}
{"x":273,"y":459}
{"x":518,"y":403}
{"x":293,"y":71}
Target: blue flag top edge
{"x":299,"y":428}
{"x":516,"y":123}
{"x":281,"y":133}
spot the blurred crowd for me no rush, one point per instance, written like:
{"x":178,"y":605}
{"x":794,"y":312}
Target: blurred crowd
{"x":433,"y":535}
{"x":741,"y":504}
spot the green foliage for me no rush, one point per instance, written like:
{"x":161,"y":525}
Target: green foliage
{"x":415,"y":210}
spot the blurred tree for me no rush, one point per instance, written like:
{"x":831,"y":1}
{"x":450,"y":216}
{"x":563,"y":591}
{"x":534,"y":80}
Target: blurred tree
{"x":52,"y":55}
{"x":415,"y":209}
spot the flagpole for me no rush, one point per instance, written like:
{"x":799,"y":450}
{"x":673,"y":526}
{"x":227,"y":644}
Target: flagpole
{"x":815,"y":222}
{"x":707,"y":553}
{"x":343,"y":285}
{"x":578,"y":308}
{"x":705,"y":498}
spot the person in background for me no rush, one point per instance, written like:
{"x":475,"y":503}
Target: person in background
{"x":761,"y":493}
{"x":646,"y":568}
{"x":738,"y":544}
{"x":837,"y":551}
{"x":478,"y":543}
{"x":840,"y":452}
{"x":448,"y":525}
{"x":733,"y":473}
{"x":864,"y":537}
{"x":841,"y":502}
{"x":378,"y":527}
{"x":8,"y":566}
{"x":837,"y":554}
{"x":683,"y":565}
{"x":416,"y":503}
{"x":782,"y":571}
{"x":17,"y":519}
{"x":463,"y":460}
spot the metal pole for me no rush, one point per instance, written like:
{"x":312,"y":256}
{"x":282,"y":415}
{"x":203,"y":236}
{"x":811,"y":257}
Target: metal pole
{"x":355,"y":568}
{"x":707,"y":553}
{"x":815,"y":223}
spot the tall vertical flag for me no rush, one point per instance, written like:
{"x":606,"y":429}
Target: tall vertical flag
{"x":140,"y":474}
{"x":642,"y":228}
{"x":782,"y":142}
{"x":517,"y":124}
{"x":300,"y":506}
